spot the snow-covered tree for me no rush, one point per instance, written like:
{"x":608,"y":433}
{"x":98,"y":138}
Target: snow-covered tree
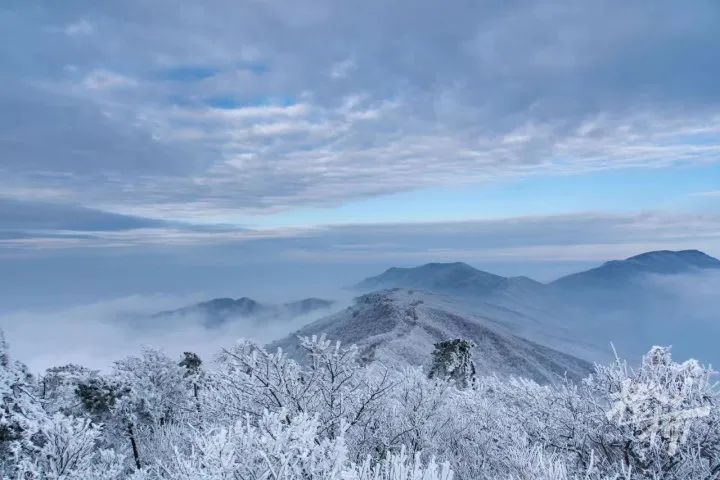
{"x":400,"y":466}
{"x":58,"y":388}
{"x":331,"y":384}
{"x":452,"y":360}
{"x":151,"y":394}
{"x":194,"y":377}
{"x":262,"y":415}
{"x":21,"y":414}
{"x":341,"y":390}
{"x":268,"y":447}
{"x":250,"y":380}
{"x":662,"y":420}
{"x":71,"y":450}
{"x":272,"y":448}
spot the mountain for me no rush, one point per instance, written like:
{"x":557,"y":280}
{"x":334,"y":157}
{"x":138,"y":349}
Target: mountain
{"x":456,"y":278}
{"x":462,"y":279}
{"x":401,"y":326}
{"x":616,"y":273}
{"x":655,"y":298}
{"x":218,"y":311}
{"x":307,"y":305}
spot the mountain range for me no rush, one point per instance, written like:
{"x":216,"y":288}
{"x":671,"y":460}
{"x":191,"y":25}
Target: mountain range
{"x":219,"y":311}
{"x":528,"y":328}
{"x":621,"y":272}
{"x":460,"y":278}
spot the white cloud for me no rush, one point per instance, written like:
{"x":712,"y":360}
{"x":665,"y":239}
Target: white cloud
{"x":100,"y":333}
{"x":365,"y":107}
{"x":710,"y":193}
{"x":100,"y":79}
{"x":79,"y":28}
{"x":546,"y":239}
{"x":342,"y":69}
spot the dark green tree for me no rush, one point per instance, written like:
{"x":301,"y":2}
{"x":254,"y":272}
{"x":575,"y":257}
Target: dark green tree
{"x":193,"y":373}
{"x":452,"y":360}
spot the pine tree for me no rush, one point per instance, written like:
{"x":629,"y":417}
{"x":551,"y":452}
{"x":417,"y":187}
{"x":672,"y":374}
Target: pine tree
{"x":193,"y":374}
{"x":452,"y":360}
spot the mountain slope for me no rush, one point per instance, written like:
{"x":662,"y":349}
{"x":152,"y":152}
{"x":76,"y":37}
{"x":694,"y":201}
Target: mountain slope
{"x":218,"y":311}
{"x":455,"y":278}
{"x":655,"y":298}
{"x":664,"y":262}
{"x":401,"y":326}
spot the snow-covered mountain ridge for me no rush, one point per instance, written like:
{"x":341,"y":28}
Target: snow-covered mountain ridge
{"x":634,"y":303}
{"x":400,"y":326}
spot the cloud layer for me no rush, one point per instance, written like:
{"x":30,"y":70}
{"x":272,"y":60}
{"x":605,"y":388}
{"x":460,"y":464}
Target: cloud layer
{"x":99,"y":333}
{"x":581,"y":236}
{"x":177,"y":110}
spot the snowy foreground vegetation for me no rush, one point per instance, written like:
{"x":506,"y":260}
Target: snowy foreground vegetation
{"x":253,"y":414}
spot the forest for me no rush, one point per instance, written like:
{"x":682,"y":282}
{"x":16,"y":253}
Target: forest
{"x":250,"y":413}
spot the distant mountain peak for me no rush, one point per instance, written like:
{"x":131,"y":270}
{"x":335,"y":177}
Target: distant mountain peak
{"x":226,"y":302}
{"x":693,"y":257}
{"x":449,"y":265}
{"x":217,"y":311}
{"x":455,"y":276}
{"x":663,"y":262}
{"x":435,"y":266}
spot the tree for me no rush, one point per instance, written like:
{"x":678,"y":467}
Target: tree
{"x":21,"y":414}
{"x":661,"y":420}
{"x":331,"y":384}
{"x":71,"y":450}
{"x":194,"y":376}
{"x":265,"y":416}
{"x":58,"y":389}
{"x":274,"y":449}
{"x":152,"y":395}
{"x":250,"y":380}
{"x":342,"y":390}
{"x":452,"y":359}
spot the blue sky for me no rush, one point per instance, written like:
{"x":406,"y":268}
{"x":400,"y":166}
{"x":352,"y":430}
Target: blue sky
{"x":526,"y":137}
{"x":679,"y":188}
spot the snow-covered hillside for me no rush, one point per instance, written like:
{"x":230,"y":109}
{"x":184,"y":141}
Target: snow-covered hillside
{"x":401,"y":326}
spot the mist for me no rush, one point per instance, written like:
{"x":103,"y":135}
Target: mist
{"x":99,"y":333}
{"x":680,"y":310}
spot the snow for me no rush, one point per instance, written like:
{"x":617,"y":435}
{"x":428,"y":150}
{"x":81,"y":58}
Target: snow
{"x":258,"y":414}
{"x":401,"y":327}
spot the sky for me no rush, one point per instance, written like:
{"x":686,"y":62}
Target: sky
{"x":279,"y":149}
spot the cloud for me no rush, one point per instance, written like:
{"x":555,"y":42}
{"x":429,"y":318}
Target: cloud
{"x":711,"y":194}
{"x":381,"y":102}
{"x":65,"y":146}
{"x":670,"y":310}
{"x":342,"y":69}
{"x":79,"y":28}
{"x":678,"y":310}
{"x":97,"y":334}
{"x":549,"y":239}
{"x":105,"y":80}
{"x":21,"y":215}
